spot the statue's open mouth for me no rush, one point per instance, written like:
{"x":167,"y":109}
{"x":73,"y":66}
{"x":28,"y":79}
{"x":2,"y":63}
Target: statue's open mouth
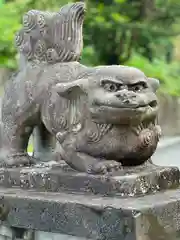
{"x":124,"y":114}
{"x":153,"y":105}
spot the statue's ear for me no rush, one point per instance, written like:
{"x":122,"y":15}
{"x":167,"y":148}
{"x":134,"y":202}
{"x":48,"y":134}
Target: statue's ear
{"x":154,"y":84}
{"x":71,"y":89}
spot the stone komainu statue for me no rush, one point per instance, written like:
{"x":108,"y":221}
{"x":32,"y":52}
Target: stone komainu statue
{"x":102,"y":117}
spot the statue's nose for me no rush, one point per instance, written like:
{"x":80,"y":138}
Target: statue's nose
{"x":126,"y":97}
{"x":125,"y":94}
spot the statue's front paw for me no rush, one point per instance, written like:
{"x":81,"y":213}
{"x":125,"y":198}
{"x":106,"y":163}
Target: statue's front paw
{"x":106,"y":166}
{"x":16,"y":160}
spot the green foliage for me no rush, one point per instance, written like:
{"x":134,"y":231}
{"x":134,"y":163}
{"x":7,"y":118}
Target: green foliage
{"x":127,"y":25}
{"x":1,"y":2}
{"x":9,"y":24}
{"x":137,"y":33}
{"x":168,"y":74}
{"x":89,"y":56}
{"x":30,"y":148}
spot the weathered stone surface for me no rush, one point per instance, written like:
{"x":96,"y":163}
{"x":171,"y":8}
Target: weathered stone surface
{"x":6,"y":233}
{"x":131,"y":181}
{"x":40,"y":235}
{"x":153,"y":217}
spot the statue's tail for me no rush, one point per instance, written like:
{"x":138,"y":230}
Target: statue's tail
{"x":53,"y":41}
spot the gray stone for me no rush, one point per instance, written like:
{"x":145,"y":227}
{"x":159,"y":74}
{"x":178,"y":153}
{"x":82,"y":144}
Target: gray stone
{"x":6,"y":233}
{"x":131,"y":181}
{"x":153,"y":217}
{"x":39,"y":235}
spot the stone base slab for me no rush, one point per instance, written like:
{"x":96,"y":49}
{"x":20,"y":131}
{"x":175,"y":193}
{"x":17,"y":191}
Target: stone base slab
{"x":131,"y":181}
{"x":152,"y":217}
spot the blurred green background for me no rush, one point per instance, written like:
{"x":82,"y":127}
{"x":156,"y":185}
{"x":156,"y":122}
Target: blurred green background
{"x":140,"y":33}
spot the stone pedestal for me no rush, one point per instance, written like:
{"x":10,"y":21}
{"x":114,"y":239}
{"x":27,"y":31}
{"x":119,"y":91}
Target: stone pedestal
{"x":144,"y":204}
{"x":127,"y":182}
{"x":153,"y":217}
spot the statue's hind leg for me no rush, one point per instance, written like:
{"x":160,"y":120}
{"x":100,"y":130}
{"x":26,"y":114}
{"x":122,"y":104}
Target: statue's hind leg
{"x":15,"y":140}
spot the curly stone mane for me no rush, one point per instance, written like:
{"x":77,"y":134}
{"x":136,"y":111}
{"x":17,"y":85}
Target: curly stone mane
{"x":52,"y":36}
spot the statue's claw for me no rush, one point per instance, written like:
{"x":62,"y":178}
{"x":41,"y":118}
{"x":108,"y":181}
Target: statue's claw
{"x":106,"y":166}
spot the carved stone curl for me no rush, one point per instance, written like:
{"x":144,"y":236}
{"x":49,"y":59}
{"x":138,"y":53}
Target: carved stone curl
{"x":103,"y":117}
{"x":52,"y":36}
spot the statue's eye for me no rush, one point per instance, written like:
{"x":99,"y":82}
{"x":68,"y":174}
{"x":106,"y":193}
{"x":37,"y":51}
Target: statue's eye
{"x":110,"y":87}
{"x":138,"y":87}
